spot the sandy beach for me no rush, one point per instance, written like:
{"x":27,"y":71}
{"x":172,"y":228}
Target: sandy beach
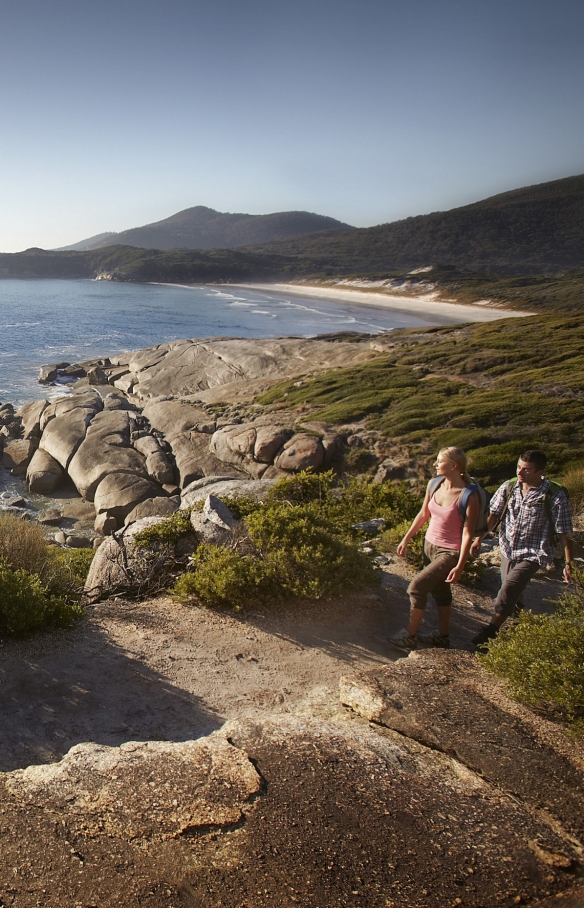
{"x":425,"y":305}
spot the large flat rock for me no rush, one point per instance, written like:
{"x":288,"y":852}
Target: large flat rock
{"x":272,"y":812}
{"x":445,"y":701}
{"x":191,"y":367}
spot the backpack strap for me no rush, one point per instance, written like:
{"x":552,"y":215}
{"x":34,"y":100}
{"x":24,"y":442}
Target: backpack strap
{"x":464,"y":498}
{"x":549,"y":495}
{"x":434,"y":483}
{"x":509,"y":489}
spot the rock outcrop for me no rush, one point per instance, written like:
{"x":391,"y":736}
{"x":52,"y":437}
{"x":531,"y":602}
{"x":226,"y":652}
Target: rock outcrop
{"x":121,"y":565}
{"x":281,"y":810}
{"x":137,"y":429}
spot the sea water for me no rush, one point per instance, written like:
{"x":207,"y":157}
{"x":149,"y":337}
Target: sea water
{"x":50,"y":321}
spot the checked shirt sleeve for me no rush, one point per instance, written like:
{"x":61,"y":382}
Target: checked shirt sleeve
{"x":561,"y":514}
{"x":498,"y":501}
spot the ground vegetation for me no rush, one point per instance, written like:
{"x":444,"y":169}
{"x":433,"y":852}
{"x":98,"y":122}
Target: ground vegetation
{"x":300,"y":542}
{"x":541,"y":659}
{"x":40,"y":584}
{"x":492,"y":389}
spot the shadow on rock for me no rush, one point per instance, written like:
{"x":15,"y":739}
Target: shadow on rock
{"x":64,"y":688}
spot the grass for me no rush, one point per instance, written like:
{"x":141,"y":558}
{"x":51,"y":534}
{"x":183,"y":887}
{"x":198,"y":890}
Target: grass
{"x":491,"y":389}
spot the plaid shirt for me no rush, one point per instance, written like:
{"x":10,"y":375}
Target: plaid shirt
{"x":525,"y":533}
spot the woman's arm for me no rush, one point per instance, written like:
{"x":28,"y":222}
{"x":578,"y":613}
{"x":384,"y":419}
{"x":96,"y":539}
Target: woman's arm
{"x":472,"y":513}
{"x":418,"y":522}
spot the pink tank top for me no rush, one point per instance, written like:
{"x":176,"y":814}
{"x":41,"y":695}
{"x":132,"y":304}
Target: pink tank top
{"x":445,"y":529}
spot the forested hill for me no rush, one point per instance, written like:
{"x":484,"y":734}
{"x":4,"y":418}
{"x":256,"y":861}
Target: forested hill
{"x":532,"y":230}
{"x":205,"y":228}
{"x":525,"y":247}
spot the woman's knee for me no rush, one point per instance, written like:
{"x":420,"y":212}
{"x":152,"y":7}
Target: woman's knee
{"x":418,"y":596}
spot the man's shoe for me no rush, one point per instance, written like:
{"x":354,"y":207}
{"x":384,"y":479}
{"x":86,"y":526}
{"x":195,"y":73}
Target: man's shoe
{"x":403,"y":640}
{"x":486,"y":633}
{"x":435,"y":640}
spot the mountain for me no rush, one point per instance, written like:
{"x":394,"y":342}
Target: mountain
{"x":93,"y":242}
{"x":536,"y":229}
{"x":205,"y":228}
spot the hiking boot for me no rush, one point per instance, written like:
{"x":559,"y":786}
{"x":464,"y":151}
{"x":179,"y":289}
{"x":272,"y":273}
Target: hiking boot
{"x":403,"y":640}
{"x":486,"y":633}
{"x":435,"y":640}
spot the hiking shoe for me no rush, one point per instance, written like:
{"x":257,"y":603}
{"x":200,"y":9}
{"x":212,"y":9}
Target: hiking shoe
{"x":486,"y":633}
{"x":403,"y":640}
{"x":436,"y":640}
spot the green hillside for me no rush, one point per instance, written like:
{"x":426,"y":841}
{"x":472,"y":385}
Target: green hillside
{"x":532,"y":230}
{"x":493,"y":389}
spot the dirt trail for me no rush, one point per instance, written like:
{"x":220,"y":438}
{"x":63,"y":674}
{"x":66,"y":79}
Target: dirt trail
{"x":159,"y":671}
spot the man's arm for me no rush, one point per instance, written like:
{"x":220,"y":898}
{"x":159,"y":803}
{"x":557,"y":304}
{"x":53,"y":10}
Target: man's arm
{"x":568,"y":546}
{"x":563,"y":527}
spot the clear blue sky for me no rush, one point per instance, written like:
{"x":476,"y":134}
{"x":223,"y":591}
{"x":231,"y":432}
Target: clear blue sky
{"x":117,"y":114}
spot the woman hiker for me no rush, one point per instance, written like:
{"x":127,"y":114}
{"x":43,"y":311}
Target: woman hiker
{"x":446,"y":547}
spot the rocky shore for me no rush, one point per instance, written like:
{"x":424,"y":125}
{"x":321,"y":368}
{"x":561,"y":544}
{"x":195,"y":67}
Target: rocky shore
{"x":141,"y":433}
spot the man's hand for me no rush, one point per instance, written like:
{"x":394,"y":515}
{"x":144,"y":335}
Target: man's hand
{"x":476,"y":546}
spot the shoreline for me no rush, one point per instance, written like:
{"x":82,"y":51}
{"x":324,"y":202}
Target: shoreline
{"x":428,"y":304}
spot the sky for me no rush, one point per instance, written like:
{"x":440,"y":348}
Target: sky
{"x":119,"y":113}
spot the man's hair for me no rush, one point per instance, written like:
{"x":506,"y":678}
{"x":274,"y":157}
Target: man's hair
{"x":536,"y":457}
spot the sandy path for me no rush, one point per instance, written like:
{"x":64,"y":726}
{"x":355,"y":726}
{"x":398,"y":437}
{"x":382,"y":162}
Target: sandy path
{"x":158,"y":671}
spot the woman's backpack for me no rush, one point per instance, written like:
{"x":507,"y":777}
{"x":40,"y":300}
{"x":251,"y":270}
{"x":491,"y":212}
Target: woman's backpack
{"x":463,"y":499}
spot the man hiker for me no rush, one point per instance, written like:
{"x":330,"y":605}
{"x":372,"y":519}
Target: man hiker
{"x":530,"y":512}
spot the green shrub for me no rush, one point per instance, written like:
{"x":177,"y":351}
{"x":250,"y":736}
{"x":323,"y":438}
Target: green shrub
{"x":541,"y":657}
{"x":39,"y":584}
{"x":26,"y":605}
{"x":66,"y":572}
{"x":221,"y":577}
{"x":390,"y":539}
{"x":299,"y":543}
{"x":168,"y":532}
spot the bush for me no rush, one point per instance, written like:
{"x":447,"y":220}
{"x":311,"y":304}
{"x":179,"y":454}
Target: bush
{"x":573,"y":480}
{"x":223,"y":577}
{"x":541,"y":657}
{"x":299,"y":544}
{"x":39,"y":585}
{"x":167,"y":532}
{"x":25,"y":604}
{"x":66,"y":572}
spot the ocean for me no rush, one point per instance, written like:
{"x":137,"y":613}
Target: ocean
{"x":48,"y":321}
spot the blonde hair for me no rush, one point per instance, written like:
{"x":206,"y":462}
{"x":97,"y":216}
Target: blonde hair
{"x":457,"y":456}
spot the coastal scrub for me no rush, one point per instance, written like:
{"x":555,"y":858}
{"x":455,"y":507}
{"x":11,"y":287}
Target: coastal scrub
{"x":297,"y":543}
{"x":40,"y":585}
{"x":541,"y":658}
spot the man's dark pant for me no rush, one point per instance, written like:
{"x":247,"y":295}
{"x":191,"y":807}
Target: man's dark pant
{"x":515,"y":575}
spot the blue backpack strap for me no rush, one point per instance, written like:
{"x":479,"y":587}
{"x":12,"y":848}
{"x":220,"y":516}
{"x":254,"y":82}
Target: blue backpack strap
{"x":463,"y":500}
{"x":434,"y":483}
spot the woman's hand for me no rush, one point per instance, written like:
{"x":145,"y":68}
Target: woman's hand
{"x":455,"y":573}
{"x":401,"y":549}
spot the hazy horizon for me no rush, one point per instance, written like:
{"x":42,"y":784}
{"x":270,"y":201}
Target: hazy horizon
{"x":116,"y":116}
